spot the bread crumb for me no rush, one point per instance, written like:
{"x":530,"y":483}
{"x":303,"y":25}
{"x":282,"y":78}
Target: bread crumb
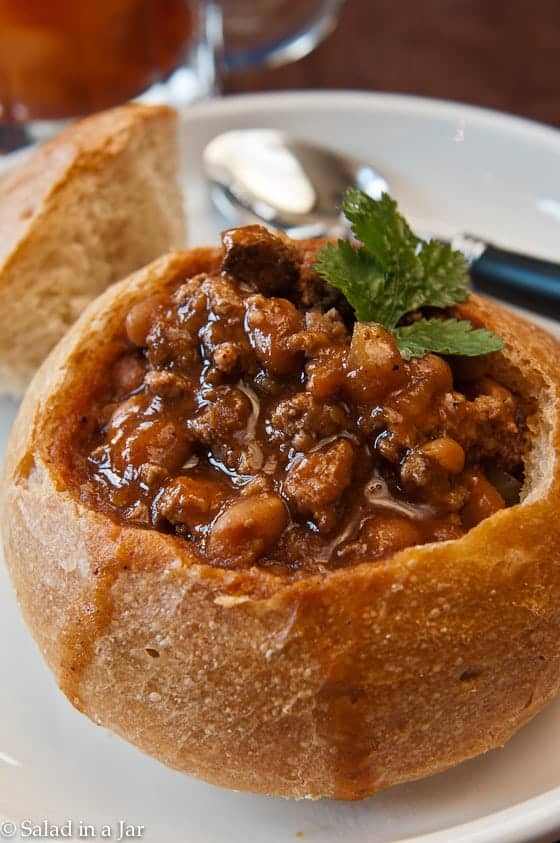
{"x":229,"y":600}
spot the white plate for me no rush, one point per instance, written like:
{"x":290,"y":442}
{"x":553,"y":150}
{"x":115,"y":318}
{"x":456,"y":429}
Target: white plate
{"x":483,"y":173}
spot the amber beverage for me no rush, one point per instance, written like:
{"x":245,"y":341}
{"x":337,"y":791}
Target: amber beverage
{"x":61,"y":58}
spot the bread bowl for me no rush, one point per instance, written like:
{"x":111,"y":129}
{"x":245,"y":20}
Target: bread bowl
{"x":79,"y":212}
{"x":265,"y":672}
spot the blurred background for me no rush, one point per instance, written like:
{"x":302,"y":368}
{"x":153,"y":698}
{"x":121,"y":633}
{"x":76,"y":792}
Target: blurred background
{"x":502,"y":54}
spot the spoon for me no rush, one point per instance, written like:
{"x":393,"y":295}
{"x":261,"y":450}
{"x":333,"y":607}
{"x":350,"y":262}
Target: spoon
{"x":263,"y":175}
{"x":268,"y":176}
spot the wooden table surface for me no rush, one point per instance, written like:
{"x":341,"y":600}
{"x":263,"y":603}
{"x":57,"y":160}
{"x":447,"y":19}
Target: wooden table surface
{"x":502,"y":54}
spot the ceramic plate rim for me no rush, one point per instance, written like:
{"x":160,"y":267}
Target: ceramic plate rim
{"x":351,"y":100}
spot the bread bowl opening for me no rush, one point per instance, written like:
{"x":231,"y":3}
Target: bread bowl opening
{"x":246,"y":411}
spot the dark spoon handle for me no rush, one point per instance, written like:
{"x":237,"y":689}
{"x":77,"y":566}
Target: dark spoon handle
{"x":523,"y":280}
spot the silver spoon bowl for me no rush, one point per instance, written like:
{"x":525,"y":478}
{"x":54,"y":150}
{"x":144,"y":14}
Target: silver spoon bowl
{"x":267,"y":176}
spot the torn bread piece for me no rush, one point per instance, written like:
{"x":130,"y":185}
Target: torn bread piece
{"x":80,"y":212}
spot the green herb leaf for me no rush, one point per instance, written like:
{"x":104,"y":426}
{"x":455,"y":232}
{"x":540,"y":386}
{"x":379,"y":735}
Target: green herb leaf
{"x":387,"y":237}
{"x":394,"y":273}
{"x":445,"y":336}
{"x":384,"y":232}
{"x":356,"y":273}
{"x":418,"y":273}
{"x":446,"y":273}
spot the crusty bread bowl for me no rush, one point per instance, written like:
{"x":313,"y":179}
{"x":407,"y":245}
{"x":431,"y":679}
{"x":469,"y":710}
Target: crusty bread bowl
{"x":337,"y":684}
{"x":81,"y":211}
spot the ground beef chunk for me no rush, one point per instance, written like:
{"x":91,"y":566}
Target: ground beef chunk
{"x":322,"y":331}
{"x":261,"y":260}
{"x":226,"y":410}
{"x":487,"y":427}
{"x":191,"y":502}
{"x":225,"y":344}
{"x":311,"y":291}
{"x":315,"y":482}
{"x":302,"y":420}
{"x":166,"y":384}
{"x":169,"y":344}
{"x":191,"y":304}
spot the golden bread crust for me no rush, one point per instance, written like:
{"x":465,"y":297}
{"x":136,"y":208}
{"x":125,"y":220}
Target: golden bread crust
{"x":336,"y":685}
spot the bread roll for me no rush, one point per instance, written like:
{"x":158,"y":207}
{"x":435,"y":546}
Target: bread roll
{"x":83,"y":210}
{"x":339,"y":683}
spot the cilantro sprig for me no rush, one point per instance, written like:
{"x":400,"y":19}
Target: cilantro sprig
{"x":394,"y":273}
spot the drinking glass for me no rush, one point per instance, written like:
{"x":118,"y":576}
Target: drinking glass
{"x":61,"y":58}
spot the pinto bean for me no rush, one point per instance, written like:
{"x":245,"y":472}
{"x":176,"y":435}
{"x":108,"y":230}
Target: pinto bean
{"x":326,"y":374}
{"x":247,"y":529}
{"x":488,"y":386}
{"x":124,"y":415}
{"x":272,"y":323}
{"x":374,"y":363}
{"x":140,"y":317}
{"x":484,"y":500}
{"x":160,"y":441}
{"x":128,"y":374}
{"x":387,"y":532}
{"x":447,"y":453}
{"x":427,"y":377}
